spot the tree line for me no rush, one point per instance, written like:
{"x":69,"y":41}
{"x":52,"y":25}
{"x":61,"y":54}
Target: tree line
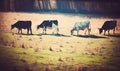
{"x":75,"y":6}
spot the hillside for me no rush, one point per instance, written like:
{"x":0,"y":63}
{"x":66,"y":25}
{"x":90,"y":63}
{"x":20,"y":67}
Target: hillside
{"x":63,"y":52}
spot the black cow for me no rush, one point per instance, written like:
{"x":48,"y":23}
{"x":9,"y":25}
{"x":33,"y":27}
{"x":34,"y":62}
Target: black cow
{"x":49,"y":24}
{"x":107,"y":26}
{"x":22,"y":25}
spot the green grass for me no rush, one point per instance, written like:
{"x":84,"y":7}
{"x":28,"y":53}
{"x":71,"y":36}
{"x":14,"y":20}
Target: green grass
{"x":102,"y":52}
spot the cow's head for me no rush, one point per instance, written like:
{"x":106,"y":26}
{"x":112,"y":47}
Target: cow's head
{"x":12,"y":26}
{"x":37,"y":27}
{"x":100,"y":30}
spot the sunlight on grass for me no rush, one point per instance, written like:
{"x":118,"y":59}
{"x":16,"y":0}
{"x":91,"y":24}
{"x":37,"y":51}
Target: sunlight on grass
{"x":62,"y":52}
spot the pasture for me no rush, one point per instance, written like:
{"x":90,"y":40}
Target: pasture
{"x":62,"y":52}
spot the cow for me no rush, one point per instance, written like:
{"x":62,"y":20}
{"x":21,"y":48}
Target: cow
{"x":107,"y":26}
{"x":48,"y":24}
{"x":22,"y":25}
{"x":81,"y":26}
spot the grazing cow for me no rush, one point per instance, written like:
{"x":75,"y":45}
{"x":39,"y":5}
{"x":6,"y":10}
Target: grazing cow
{"x":22,"y":25}
{"x":107,"y":26}
{"x":49,"y":24}
{"x":81,"y":26}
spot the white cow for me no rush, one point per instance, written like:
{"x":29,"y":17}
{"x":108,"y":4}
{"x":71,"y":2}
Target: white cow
{"x":81,"y":26}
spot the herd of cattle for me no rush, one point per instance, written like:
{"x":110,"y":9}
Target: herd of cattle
{"x":107,"y":26}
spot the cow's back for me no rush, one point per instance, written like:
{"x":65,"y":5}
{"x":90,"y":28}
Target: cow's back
{"x":42,"y":24}
{"x":82,"y":25}
{"x":23,"y":24}
{"x":55,"y":22}
{"x":109,"y":25}
{"x":46,"y":23}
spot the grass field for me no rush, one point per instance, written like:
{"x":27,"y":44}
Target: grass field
{"x":62,"y":52}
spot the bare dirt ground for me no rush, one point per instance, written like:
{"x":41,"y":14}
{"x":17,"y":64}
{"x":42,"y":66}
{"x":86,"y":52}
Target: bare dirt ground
{"x":62,"y":52}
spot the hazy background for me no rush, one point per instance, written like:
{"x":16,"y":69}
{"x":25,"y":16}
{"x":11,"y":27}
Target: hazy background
{"x":63,"y":52}
{"x":106,"y":7}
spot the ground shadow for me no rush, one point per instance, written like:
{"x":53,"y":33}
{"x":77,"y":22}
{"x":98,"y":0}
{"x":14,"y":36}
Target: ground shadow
{"x":90,"y":36}
{"x":114,"y":35}
{"x":23,"y":34}
{"x":59,"y":35}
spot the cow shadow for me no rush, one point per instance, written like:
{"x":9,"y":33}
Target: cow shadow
{"x":58,"y":35}
{"x":23,"y":34}
{"x":27,"y":34}
{"x":90,"y":36}
{"x":114,"y":35}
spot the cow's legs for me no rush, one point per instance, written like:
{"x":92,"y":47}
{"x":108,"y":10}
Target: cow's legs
{"x":28,"y":31}
{"x":56,"y":27}
{"x":77,"y":32}
{"x":44,"y":30}
{"x":57,"y":30}
{"x":108,"y":32}
{"x":114,"y":31}
{"x":53,"y":30}
{"x":18,"y":31}
{"x":88,"y":31}
{"x":85,"y":32}
{"x":21,"y":31}
{"x":104,"y":32}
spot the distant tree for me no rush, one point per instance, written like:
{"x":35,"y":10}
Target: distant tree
{"x":76,"y":6}
{"x":12,"y":5}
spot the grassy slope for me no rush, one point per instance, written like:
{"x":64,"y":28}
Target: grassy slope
{"x":88,"y":52}
{"x":57,"y":53}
